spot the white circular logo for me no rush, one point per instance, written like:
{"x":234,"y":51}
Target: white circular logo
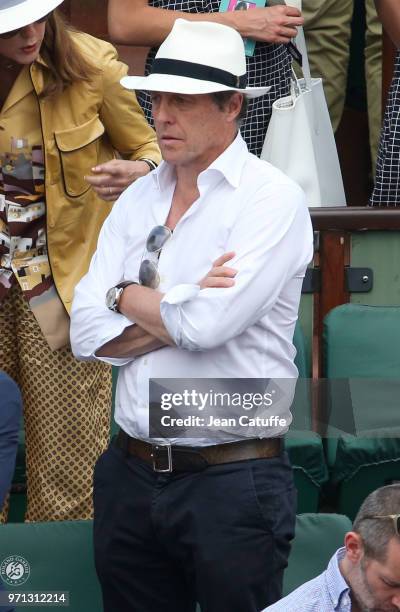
{"x":15,"y":570}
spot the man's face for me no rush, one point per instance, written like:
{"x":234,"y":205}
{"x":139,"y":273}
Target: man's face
{"x":192,"y":130}
{"x":375,"y":585}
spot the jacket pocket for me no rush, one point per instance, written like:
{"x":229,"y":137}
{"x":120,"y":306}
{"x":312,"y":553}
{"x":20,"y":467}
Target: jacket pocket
{"x":79,"y":149}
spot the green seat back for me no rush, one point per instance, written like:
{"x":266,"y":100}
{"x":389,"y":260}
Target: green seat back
{"x":317,"y":537}
{"x":60,"y":555}
{"x":304,"y":446}
{"x":362,"y":361}
{"x":362,"y":342}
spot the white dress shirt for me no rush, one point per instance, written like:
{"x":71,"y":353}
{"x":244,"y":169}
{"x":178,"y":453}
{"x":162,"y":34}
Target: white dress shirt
{"x":246,"y":206}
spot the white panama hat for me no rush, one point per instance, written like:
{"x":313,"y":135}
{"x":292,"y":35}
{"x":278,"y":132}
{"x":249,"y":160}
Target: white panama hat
{"x":16,"y":14}
{"x":198,"y":57}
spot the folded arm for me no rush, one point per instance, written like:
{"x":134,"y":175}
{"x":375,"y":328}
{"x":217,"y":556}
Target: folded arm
{"x":133,"y":342}
{"x":272,"y":241}
{"x":143,"y":305}
{"x":134,"y":22}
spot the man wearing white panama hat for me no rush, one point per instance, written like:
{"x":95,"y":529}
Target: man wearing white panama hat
{"x":202,"y":514}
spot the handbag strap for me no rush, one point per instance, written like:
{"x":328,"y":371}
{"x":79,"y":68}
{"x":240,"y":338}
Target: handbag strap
{"x":302,"y":47}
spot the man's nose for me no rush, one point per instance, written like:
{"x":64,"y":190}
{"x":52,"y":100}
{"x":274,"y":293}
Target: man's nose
{"x":162,"y":112}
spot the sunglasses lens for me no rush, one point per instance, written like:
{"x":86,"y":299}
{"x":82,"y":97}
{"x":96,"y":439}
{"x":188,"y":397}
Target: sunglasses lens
{"x":157,"y":238}
{"x":148,"y":274}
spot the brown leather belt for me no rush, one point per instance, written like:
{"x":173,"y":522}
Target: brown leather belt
{"x":167,"y":458}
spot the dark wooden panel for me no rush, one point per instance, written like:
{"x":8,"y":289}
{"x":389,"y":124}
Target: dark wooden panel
{"x":356,"y":218}
{"x":89,"y":16}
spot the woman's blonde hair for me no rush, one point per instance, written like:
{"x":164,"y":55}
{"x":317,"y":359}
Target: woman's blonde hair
{"x":64,"y":60}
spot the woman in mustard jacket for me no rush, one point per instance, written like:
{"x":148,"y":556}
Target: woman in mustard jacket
{"x":63,"y":114}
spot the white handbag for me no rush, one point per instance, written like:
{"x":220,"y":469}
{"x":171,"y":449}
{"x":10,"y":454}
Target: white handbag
{"x":300,"y":141}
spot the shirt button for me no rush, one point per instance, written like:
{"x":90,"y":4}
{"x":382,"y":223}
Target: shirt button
{"x":145,"y":361}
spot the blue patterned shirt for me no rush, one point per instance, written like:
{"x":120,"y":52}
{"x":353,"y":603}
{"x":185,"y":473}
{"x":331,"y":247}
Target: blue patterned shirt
{"x":328,"y":592}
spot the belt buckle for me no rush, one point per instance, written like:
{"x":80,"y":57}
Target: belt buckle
{"x":156,"y":457}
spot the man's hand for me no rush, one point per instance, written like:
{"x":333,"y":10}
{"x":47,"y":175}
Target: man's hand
{"x":220,"y":275}
{"x":110,"y":179}
{"x":274,"y":24}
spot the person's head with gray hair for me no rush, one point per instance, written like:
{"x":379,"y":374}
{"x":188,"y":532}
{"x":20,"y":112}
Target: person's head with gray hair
{"x":371,"y":565}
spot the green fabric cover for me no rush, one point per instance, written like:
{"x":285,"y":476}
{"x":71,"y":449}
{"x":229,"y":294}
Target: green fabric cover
{"x":301,"y":355}
{"x":362,"y":359}
{"x":362,"y":342}
{"x":60,"y":555}
{"x":306,"y":454}
{"x":317,"y":537}
{"x":304,"y":446}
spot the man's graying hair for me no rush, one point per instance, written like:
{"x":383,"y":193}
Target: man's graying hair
{"x":376,"y":533}
{"x":221,"y":98}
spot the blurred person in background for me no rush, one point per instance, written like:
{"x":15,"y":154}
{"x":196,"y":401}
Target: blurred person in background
{"x":63,"y":113}
{"x":328,"y":31}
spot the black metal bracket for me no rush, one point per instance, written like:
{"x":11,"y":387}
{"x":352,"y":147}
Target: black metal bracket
{"x":312,"y":281}
{"x":359,"y":280}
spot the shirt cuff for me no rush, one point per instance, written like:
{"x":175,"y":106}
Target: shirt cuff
{"x":171,"y":312}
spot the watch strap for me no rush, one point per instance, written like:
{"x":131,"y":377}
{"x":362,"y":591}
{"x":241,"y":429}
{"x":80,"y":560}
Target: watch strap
{"x":151,"y":164}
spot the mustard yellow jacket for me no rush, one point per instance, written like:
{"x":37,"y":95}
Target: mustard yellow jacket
{"x":81,"y":128}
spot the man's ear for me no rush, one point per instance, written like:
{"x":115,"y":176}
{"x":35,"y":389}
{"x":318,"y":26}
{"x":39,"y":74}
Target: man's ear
{"x":354,"y":546}
{"x":234,"y":106}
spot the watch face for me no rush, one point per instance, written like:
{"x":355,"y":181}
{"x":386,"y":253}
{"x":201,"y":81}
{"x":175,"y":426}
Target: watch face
{"x":111,"y":298}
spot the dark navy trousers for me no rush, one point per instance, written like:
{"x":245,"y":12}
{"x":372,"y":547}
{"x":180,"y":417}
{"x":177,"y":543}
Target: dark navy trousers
{"x":220,"y":536}
{"x":10,"y":418}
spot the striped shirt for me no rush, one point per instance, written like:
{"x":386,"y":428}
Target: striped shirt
{"x":328,"y":592}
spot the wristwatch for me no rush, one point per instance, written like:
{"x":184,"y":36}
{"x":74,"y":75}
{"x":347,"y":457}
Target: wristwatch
{"x":113,"y":295}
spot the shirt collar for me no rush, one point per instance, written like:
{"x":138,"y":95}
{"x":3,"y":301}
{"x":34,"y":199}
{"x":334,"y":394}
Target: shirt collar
{"x":230,"y":164}
{"x":335,"y":582}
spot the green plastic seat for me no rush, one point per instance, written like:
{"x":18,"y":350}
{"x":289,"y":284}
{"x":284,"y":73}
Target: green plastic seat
{"x":316,"y":539}
{"x":362,"y":363}
{"x":60,"y":556}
